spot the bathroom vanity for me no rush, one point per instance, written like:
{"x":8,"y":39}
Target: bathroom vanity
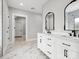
{"x":57,"y":46}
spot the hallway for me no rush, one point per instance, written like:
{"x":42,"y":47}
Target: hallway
{"x":25,"y":50}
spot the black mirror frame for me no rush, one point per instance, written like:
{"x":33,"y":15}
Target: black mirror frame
{"x":65,"y":15}
{"x":53,"y":20}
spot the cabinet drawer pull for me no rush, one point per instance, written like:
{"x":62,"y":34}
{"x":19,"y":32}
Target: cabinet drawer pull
{"x":49,"y":45}
{"x":6,"y":31}
{"x":65,"y":53}
{"x":8,"y":38}
{"x":66,"y":44}
{"x":49,"y":39}
{"x":8,"y":27}
{"x":49,"y":52}
{"x":40,"y":40}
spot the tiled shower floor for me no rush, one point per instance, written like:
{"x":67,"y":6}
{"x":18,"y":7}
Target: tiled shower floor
{"x":27,"y":51}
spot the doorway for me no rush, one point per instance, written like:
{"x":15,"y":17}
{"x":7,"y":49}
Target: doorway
{"x":19,"y":29}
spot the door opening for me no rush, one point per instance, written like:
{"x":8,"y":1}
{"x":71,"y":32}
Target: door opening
{"x":19,"y":29}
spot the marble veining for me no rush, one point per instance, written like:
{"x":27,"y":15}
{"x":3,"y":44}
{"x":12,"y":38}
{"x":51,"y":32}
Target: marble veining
{"x":27,"y":51}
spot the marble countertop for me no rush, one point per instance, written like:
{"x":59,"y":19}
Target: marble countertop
{"x":65,"y":37}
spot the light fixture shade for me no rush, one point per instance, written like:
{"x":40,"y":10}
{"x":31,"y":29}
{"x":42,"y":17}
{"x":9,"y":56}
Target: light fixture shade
{"x":21,"y":4}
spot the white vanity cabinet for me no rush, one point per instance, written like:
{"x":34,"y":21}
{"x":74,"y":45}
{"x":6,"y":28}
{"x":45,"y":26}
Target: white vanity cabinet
{"x":46,"y":45}
{"x":62,"y":51}
{"x":58,"y":47}
{"x":41,"y":42}
{"x":73,"y":50}
{"x":66,"y":49}
{"x":73,"y":55}
{"x":65,"y":53}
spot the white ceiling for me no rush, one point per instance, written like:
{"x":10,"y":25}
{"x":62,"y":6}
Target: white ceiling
{"x":28,"y":4}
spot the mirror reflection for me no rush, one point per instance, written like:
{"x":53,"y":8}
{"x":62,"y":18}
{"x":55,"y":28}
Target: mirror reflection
{"x":49,"y":22}
{"x":72,"y":16}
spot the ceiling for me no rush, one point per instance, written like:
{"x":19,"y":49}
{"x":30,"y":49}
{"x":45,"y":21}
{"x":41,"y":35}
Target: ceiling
{"x":28,"y":5}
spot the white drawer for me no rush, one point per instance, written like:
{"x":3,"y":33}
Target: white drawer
{"x":50,"y":52}
{"x":68,"y":44}
{"x":59,"y":41}
{"x":71,"y":45}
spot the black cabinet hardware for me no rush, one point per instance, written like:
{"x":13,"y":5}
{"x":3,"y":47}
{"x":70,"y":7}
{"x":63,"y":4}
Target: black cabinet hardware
{"x":49,"y":52}
{"x":49,"y":39}
{"x":40,"y":40}
{"x":66,"y":44}
{"x":65,"y":53}
{"x":49,"y":45}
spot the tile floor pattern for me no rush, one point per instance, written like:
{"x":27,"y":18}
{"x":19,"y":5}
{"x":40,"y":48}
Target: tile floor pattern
{"x":27,"y":51}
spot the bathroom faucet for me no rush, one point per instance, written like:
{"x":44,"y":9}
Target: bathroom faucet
{"x":74,"y":33}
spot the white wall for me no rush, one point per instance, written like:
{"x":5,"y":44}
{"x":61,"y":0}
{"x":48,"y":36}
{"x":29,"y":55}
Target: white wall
{"x":57,"y":7}
{"x":6,"y":40}
{"x":34,"y":21}
{"x":0,"y":23}
{"x":0,"y":27}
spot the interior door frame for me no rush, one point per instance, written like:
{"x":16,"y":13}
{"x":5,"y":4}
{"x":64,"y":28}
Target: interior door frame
{"x":13,"y":18}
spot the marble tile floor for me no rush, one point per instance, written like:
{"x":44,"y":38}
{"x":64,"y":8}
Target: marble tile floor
{"x":27,"y":50}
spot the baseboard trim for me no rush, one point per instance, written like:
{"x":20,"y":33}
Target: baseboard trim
{"x":32,"y":39}
{"x":18,"y":36}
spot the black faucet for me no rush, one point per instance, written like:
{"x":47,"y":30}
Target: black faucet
{"x":74,"y":33}
{"x":49,"y":32}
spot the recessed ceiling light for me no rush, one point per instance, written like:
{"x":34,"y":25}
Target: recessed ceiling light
{"x":21,"y":4}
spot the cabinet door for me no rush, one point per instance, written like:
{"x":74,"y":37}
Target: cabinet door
{"x":73,"y":55}
{"x":65,"y":53}
{"x":61,"y":52}
{"x":41,"y":42}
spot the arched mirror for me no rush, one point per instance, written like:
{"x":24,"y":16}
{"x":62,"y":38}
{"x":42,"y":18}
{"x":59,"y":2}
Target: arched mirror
{"x":49,"y":22}
{"x":71,"y":21}
{"x":72,"y":16}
